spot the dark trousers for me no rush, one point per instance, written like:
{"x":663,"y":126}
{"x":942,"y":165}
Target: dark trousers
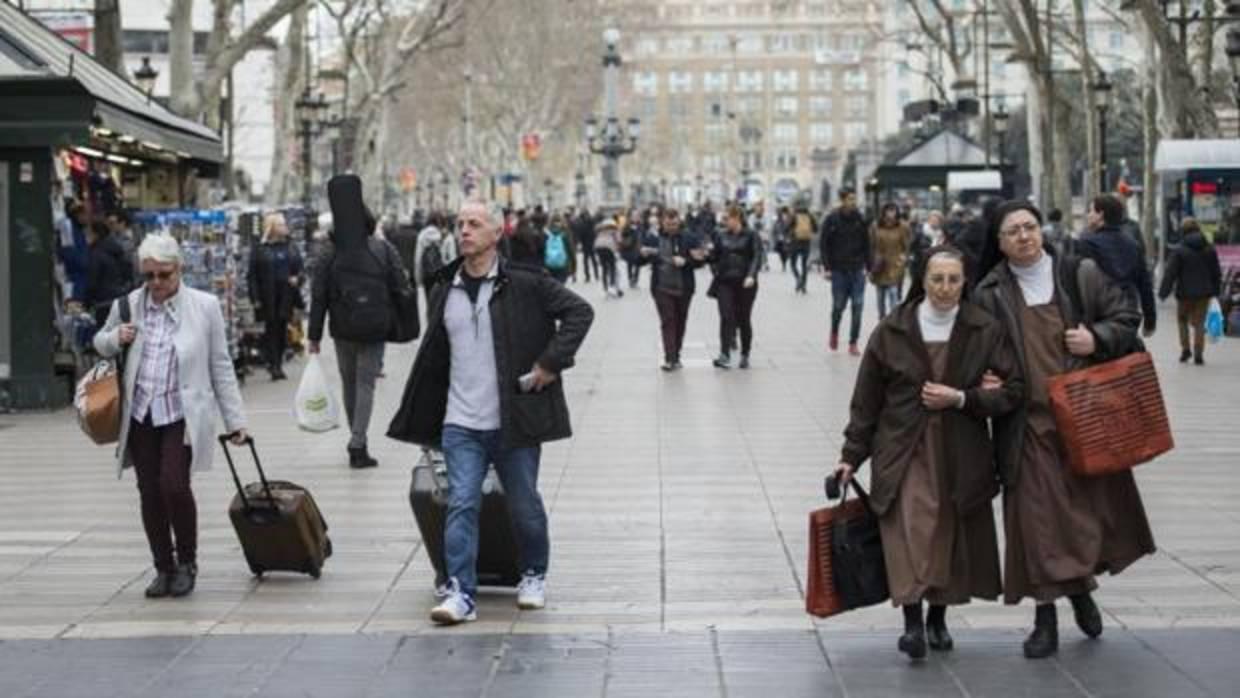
{"x":607,"y":270}
{"x":800,"y":263}
{"x":275,"y":341}
{"x":589,"y":260}
{"x":162,"y":462}
{"x":735,"y":314}
{"x":1191,"y":313}
{"x":673,"y":318}
{"x":635,"y":270}
{"x":847,"y":287}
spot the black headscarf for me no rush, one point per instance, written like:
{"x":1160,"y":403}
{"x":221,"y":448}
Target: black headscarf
{"x":352,"y":223}
{"x":991,"y":254}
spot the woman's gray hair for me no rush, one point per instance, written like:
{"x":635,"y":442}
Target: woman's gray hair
{"x":163,"y":249}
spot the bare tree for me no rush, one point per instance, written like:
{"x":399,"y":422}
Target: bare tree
{"x":1186,"y":111}
{"x":290,"y":78}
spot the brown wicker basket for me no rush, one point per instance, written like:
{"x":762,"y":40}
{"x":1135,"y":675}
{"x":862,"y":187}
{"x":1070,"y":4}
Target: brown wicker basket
{"x":1111,"y":417}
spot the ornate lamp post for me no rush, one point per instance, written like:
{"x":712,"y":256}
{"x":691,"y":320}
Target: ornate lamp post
{"x":145,"y":77}
{"x":611,"y":140}
{"x":446,"y":184}
{"x":1000,"y":118}
{"x":1102,"y":92}
{"x":307,"y":108}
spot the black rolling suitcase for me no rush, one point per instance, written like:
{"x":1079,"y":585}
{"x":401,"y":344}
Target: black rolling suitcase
{"x":497,"y":546}
{"x":278,"y":523}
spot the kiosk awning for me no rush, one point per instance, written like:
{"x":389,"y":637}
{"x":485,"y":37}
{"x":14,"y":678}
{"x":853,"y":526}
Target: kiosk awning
{"x":1182,"y":155}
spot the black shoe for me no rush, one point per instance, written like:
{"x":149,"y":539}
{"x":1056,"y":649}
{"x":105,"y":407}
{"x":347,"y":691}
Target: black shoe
{"x":723,"y":361}
{"x":1199,"y":360}
{"x":913,"y":641}
{"x":1044,"y":640}
{"x":744,"y":361}
{"x":360,"y":458}
{"x":1088,"y":617}
{"x":1185,"y":356}
{"x":159,"y":587}
{"x":183,"y":580}
{"x":936,"y":629}
{"x":676,"y":365}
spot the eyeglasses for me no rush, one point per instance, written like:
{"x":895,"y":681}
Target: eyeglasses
{"x":1028,"y":228}
{"x":161,"y":275}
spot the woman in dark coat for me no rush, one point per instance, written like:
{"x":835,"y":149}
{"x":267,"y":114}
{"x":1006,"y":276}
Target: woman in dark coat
{"x":933,"y":371}
{"x":737,"y":259}
{"x":1061,"y":529}
{"x":275,"y":279}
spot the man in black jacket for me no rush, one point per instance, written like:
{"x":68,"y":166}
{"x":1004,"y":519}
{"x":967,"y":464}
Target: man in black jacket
{"x":485,"y":389}
{"x":1194,"y":273}
{"x":1119,"y":255}
{"x":109,"y":271}
{"x":845,"y":247}
{"x":354,"y":284}
{"x":583,"y":230}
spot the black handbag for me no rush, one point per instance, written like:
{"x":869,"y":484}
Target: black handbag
{"x":405,"y":323}
{"x":859,"y":570}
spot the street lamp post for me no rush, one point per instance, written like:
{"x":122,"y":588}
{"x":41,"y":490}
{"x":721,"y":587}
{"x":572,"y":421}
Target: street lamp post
{"x":1102,"y":91}
{"x":697,"y":195}
{"x":447,"y":188}
{"x":417,"y":196}
{"x":1000,"y":118}
{"x":613,"y":140}
{"x":145,"y":76}
{"x":307,"y":107}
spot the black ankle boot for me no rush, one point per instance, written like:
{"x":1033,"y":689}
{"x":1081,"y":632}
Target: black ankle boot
{"x":936,"y":629}
{"x":913,"y":641}
{"x":1044,"y":640}
{"x":360,"y":458}
{"x":1088,"y":617}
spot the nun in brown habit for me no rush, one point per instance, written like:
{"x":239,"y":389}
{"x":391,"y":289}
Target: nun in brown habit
{"x":1060,"y":528}
{"x":933,"y":372}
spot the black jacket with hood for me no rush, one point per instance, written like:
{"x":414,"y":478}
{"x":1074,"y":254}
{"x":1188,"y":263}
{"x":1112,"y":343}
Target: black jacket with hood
{"x":534,"y":319}
{"x":1193,"y":270}
{"x":1121,"y":258}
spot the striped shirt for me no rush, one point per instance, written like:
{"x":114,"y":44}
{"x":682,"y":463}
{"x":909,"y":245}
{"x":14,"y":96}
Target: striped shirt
{"x":157,"y":389}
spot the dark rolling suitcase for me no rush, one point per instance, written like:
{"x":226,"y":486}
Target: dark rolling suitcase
{"x":278,"y":523}
{"x":497,"y":546}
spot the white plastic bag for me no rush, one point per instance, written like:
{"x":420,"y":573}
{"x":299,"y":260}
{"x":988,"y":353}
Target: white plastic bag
{"x":315,"y":404}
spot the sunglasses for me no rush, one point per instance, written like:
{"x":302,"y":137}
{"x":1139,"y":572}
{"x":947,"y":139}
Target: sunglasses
{"x":161,"y":275}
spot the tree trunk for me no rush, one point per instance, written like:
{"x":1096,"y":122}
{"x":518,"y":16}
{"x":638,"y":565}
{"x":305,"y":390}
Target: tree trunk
{"x":1186,"y":112}
{"x":282,"y":188}
{"x":183,"y":94}
{"x":1093,"y":149}
{"x":109,"y":48}
{"x":1151,"y":196}
{"x":1205,"y":43}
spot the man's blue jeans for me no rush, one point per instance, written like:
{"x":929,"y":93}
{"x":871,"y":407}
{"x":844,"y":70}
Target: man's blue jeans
{"x":467,"y":453}
{"x":847,"y":286}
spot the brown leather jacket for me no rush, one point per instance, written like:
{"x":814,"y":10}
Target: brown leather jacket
{"x":1105,"y":308}
{"x":888,"y":419}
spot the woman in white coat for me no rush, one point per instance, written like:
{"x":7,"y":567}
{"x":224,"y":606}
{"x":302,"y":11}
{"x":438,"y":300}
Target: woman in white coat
{"x":178,"y":373}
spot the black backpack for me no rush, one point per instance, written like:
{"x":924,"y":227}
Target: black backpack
{"x":360,"y":302}
{"x":432,"y":260}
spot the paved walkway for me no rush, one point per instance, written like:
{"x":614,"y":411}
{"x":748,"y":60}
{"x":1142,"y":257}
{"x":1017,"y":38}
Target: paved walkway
{"x":678,"y":511}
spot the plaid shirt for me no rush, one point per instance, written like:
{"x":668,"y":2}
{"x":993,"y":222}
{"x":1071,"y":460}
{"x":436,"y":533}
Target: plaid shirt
{"x":157,"y":388}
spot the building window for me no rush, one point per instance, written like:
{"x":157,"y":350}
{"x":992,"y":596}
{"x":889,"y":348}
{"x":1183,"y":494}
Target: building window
{"x":820,"y":80}
{"x":647,"y":46}
{"x":715,"y":81}
{"x":715,"y":133}
{"x":715,"y":10}
{"x":819,"y":106}
{"x":678,"y":45}
{"x":751,"y":160}
{"x":785,"y":133}
{"x":856,"y":79}
{"x":856,"y":131}
{"x":678,"y":108}
{"x":646,"y":82}
{"x":682,"y":12}
{"x":679,"y":82}
{"x":816,"y":9}
{"x":715,"y":44}
{"x":751,"y":9}
{"x":750,"y":44}
{"x":782,"y":43}
{"x":712,"y":162}
{"x":785,"y":80}
{"x":786,"y":160}
{"x":857,"y":107}
{"x":648,"y":107}
{"x":786,"y":106}
{"x":821,"y":133}
{"x":748,"y":106}
{"x":749,"y":81}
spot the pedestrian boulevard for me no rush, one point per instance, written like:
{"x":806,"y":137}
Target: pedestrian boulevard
{"x":678,"y":525}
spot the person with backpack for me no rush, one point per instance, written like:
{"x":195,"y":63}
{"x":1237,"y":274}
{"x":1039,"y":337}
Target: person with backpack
{"x":801,"y":236}
{"x":436,"y":248}
{"x":355,"y":286}
{"x":558,"y":249}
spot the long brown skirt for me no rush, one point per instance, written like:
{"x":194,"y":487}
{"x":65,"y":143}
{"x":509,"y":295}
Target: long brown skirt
{"x":932,"y":552}
{"x":1062,"y":529}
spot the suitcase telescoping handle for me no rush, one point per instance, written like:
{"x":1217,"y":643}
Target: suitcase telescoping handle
{"x":249,"y":440}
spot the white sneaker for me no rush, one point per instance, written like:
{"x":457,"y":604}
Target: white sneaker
{"x":456,"y":608}
{"x":532,"y":592}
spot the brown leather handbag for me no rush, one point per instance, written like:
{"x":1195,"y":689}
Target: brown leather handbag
{"x":1111,"y":417}
{"x":99,"y":397}
{"x":846,"y":568}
